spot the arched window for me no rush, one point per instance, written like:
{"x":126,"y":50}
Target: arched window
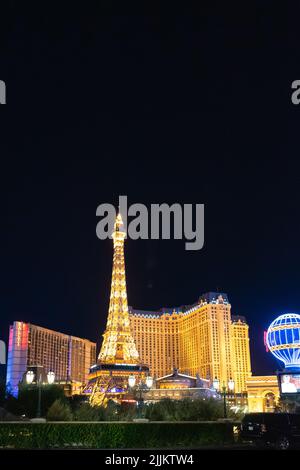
{"x":269,"y":402}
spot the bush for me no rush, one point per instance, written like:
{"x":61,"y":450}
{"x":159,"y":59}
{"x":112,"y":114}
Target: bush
{"x":75,"y":401}
{"x":12,"y":405}
{"x":27,"y":400}
{"x":59,"y":411}
{"x":2,"y":392}
{"x":112,"y":411}
{"x":86,"y":412}
{"x":185,"y":410}
{"x":127,"y":411}
{"x":114,"y":435}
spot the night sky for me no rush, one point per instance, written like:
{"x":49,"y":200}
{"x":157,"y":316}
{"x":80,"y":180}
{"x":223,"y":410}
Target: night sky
{"x":187,"y":106}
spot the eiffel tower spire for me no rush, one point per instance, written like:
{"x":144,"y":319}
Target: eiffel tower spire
{"x":118,"y":344}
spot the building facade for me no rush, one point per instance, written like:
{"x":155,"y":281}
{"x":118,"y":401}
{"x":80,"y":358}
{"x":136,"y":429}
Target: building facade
{"x":240,"y":352}
{"x":177,"y":386}
{"x":202,"y":339}
{"x":263,"y":393}
{"x":69,"y":357}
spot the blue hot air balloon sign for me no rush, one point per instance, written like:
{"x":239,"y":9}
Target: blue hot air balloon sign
{"x":283,"y":339}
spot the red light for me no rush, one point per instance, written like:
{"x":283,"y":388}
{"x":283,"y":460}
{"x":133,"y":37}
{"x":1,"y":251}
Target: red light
{"x":265,"y":341}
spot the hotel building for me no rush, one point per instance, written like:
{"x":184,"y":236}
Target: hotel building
{"x":202,"y":339}
{"x":69,"y":357}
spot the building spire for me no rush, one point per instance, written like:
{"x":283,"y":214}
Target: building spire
{"x":118,"y":344}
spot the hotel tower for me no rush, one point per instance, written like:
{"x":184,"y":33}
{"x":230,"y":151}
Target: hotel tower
{"x":202,"y":339}
{"x":69,"y":357}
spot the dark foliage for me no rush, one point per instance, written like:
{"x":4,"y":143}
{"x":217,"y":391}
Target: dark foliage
{"x":59,"y":411}
{"x":26,"y":403}
{"x":185,"y":410}
{"x":114,"y":435}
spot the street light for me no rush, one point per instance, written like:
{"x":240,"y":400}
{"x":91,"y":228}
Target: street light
{"x":216,"y":383}
{"x":231,"y":385}
{"x":131,"y":381}
{"x":139,"y":389}
{"x":50,"y":377}
{"x":225,"y":391}
{"x":149,"y":381}
{"x":230,"y":388}
{"x":29,"y":379}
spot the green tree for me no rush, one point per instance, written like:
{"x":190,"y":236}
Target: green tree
{"x":59,"y":411}
{"x":28,"y":398}
{"x":154,"y":413}
{"x":127,"y":411}
{"x":112,"y":411}
{"x":2,"y":392}
{"x":161,"y":411}
{"x":75,"y":401}
{"x":86,"y":412}
{"x":198,"y":409}
{"x":13,"y":406}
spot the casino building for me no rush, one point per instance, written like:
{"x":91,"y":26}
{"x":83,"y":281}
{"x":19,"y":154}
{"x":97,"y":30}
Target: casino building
{"x":69,"y":357}
{"x":201,"y":339}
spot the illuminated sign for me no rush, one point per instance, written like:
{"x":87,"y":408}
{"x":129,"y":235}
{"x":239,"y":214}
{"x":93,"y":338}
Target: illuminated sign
{"x":289,"y":383}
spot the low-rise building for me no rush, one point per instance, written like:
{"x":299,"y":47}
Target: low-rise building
{"x":263,"y":393}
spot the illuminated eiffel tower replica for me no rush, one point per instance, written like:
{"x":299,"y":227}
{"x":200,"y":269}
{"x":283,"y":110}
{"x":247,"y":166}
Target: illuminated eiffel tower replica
{"x":118,"y":358}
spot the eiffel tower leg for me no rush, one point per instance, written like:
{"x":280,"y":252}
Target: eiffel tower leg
{"x":98,"y":395}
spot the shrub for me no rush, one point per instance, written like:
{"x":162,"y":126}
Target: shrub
{"x":59,"y":411}
{"x":112,"y":410}
{"x":185,"y":410}
{"x":114,"y":435}
{"x":2,"y":392}
{"x":127,"y":411}
{"x":155,"y":412}
{"x":75,"y":401}
{"x":27,"y":400}
{"x":86,"y":412}
{"x":12,"y":405}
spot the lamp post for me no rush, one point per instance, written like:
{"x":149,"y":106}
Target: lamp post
{"x":29,"y":379}
{"x":51,"y":377}
{"x":225,"y":391}
{"x":139,"y":389}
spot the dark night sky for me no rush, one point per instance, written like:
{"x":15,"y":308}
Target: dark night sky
{"x":182,"y":106}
